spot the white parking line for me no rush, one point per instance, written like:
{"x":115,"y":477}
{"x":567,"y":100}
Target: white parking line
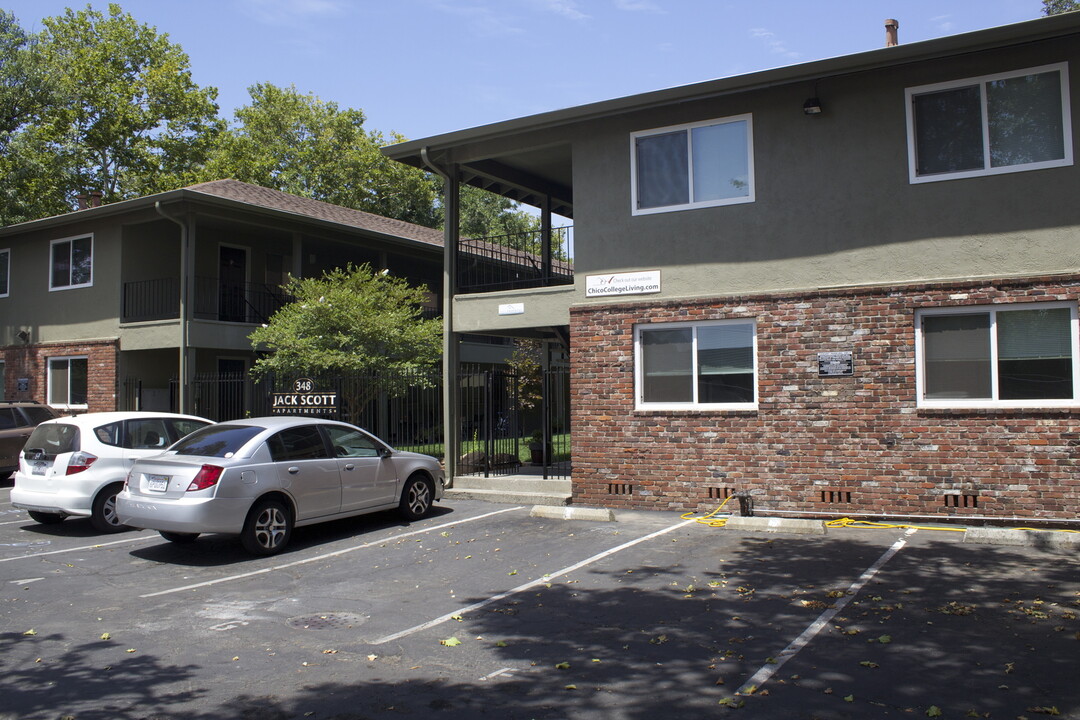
{"x":78,"y":549}
{"x":324,"y":556}
{"x":531,"y":584}
{"x":767,"y":671}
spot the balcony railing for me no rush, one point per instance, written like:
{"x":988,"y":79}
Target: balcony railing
{"x":509,"y":262}
{"x":251,"y":303}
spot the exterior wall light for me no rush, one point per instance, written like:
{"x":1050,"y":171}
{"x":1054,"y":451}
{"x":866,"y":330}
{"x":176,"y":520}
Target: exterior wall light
{"x":812,"y":106}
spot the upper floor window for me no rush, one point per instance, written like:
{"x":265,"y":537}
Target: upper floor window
{"x":68,"y":382}
{"x":5,"y":271}
{"x":708,"y":365}
{"x":700,"y":165}
{"x":994,"y":124}
{"x":72,"y":263}
{"x":1019,"y":355}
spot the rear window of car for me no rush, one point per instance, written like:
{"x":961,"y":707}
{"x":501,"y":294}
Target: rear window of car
{"x":38,"y":415}
{"x":299,"y":443}
{"x":52,"y":439}
{"x":217,"y":440}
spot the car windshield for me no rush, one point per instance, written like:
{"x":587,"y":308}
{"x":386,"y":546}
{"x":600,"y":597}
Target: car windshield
{"x":52,"y":439}
{"x":216,"y":440}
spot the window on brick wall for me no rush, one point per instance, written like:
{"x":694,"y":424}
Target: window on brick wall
{"x":708,"y":365}
{"x":68,"y":382}
{"x":1019,"y":355}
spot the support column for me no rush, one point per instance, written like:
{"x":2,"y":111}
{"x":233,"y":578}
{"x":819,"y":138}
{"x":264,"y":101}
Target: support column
{"x":451,"y":356}
{"x":545,"y":238}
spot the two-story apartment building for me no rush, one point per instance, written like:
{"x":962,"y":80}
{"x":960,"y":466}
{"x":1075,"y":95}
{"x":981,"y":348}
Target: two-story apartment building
{"x":170,"y":286}
{"x":846,"y":287}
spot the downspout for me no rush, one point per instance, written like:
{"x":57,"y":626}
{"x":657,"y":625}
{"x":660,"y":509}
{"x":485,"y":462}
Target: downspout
{"x":451,"y":438}
{"x":182,"y":390}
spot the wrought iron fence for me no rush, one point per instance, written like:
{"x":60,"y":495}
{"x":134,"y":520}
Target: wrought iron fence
{"x":501,"y":431}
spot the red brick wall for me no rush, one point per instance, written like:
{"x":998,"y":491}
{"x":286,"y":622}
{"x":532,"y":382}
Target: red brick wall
{"x":31,"y":362}
{"x":836,"y":445}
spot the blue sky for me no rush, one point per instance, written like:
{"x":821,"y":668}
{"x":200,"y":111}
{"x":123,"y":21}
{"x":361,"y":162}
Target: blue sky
{"x":424,"y":67}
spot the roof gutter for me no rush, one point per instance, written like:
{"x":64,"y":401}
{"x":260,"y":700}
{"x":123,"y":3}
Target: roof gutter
{"x":185,"y":241}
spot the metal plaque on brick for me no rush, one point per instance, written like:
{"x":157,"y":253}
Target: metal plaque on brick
{"x":305,"y":399}
{"x":835,"y":363}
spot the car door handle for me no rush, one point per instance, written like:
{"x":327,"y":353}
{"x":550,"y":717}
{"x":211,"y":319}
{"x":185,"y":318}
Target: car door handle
{"x":350,"y":466}
{"x":293,"y":470}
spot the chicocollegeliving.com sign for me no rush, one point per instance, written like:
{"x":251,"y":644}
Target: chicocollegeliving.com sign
{"x":634,"y":283}
{"x":304,"y":400}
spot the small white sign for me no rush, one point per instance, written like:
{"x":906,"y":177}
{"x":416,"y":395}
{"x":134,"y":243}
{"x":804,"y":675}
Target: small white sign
{"x":636,"y":283}
{"x":512,"y":309}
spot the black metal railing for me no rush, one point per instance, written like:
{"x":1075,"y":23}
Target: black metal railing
{"x":157,"y":299}
{"x":508,"y":262}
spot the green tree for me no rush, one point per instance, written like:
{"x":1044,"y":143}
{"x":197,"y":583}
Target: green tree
{"x":485,"y":214}
{"x":350,"y":321}
{"x":309,"y":147}
{"x":126,"y":118}
{"x":1056,"y":7}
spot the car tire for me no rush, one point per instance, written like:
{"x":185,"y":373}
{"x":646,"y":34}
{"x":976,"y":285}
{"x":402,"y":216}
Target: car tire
{"x":46,"y":518}
{"x":267,"y":529}
{"x":417,"y":497}
{"x":178,"y":537}
{"x":103,"y":512}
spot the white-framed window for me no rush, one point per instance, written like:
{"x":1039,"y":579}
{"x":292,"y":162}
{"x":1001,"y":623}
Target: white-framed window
{"x":71,"y":263}
{"x":681,"y":167}
{"x":1009,"y":122}
{"x":708,"y":365}
{"x":67,"y":382}
{"x":1015,"y":355}
{"x":5,"y":272}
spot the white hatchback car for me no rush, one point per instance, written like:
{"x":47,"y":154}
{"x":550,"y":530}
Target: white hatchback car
{"x":77,"y":465}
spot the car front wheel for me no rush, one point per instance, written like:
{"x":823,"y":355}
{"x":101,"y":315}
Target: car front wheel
{"x":103,"y":514}
{"x":267,"y":529}
{"x":417,"y":497}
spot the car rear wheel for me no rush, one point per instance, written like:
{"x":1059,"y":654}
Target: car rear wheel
{"x":103,"y":513}
{"x":417,"y":497}
{"x":46,"y":518}
{"x":267,"y":529}
{"x":179,"y":538}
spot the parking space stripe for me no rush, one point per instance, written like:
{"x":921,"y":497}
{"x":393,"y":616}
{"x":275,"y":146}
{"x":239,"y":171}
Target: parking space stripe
{"x":767,"y":671}
{"x":531,"y":584}
{"x":144,"y":538}
{"x":324,"y":556}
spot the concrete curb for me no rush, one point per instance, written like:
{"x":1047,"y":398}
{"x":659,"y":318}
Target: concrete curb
{"x":776,"y":525}
{"x":1022,"y":538}
{"x":572,"y":513}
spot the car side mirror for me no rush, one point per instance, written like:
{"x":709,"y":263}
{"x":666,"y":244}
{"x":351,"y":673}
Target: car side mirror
{"x":385,"y":452}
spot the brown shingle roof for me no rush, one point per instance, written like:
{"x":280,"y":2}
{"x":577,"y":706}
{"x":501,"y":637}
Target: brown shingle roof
{"x":317,"y":209}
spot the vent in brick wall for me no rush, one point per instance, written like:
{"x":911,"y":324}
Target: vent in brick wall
{"x":620,"y":489}
{"x":720,"y":493}
{"x":958,"y":500}
{"x":835,"y":497}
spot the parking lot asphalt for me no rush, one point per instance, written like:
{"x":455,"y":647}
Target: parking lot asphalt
{"x":481,"y":610}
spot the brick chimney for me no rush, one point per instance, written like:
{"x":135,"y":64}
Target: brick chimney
{"x":95,"y":199}
{"x":891,"y":38}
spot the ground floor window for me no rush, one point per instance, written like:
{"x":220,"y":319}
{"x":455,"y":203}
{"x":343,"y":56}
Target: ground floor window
{"x":1020,"y":355}
{"x":708,"y":365}
{"x":68,"y":382}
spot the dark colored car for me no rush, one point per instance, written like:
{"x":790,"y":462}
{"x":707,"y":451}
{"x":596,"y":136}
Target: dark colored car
{"x":17,"y":421}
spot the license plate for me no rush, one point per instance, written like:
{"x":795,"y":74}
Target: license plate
{"x":157,"y":483}
{"x":39,"y":468}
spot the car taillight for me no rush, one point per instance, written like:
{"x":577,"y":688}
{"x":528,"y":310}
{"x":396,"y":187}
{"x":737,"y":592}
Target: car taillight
{"x":207,"y":477}
{"x":80,"y":461}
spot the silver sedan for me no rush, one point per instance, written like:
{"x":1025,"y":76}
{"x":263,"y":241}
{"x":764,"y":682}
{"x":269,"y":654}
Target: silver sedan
{"x":259,"y":478}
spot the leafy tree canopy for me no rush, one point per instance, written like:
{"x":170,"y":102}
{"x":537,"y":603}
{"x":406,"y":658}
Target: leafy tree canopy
{"x":1056,"y":7}
{"x":309,"y":147}
{"x":350,"y":320}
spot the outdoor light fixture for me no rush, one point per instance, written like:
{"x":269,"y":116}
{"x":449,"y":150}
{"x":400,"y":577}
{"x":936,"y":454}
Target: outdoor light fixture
{"x":23,"y":335}
{"x":812,"y":106}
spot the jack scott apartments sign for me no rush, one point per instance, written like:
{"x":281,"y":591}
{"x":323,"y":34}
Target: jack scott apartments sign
{"x":635,"y":283}
{"x":303,"y":400}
